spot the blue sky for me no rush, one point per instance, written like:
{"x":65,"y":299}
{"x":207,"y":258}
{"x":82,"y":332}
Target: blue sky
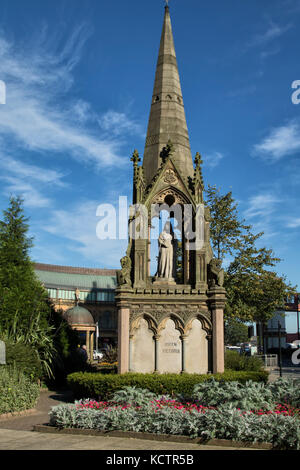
{"x":79,"y":79}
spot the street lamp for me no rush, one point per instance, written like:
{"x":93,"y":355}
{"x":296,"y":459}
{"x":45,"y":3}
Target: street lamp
{"x":298,"y":311}
{"x":279,"y":340}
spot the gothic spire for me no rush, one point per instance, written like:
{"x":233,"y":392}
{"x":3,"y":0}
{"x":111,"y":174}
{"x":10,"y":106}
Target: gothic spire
{"x":167,"y":121}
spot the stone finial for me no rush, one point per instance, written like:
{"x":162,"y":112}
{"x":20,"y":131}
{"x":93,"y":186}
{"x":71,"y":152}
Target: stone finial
{"x":135,"y":158}
{"x":198,"y":160}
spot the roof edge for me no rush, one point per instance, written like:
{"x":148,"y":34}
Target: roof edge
{"x":74,"y":270}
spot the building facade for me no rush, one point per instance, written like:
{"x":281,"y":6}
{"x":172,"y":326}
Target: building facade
{"x":93,"y":289}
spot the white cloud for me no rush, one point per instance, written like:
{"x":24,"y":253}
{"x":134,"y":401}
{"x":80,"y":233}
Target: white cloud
{"x":261,"y":205}
{"x":273,"y":31}
{"x":212,"y":160}
{"x":244,"y":91}
{"x":281,"y":141}
{"x":40,"y":115}
{"x":294,"y":223}
{"x":78,"y":227}
{"x":28,"y":181}
{"x":118,"y":123}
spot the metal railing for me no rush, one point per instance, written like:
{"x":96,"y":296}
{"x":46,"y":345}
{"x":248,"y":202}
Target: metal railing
{"x":269,"y":360}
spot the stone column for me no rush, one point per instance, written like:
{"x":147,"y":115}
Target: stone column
{"x":130,"y":352}
{"x":87,"y":342}
{"x":123,"y":340}
{"x":156,"y":356}
{"x":218,"y":340}
{"x":217,"y":304}
{"x":183,"y":352}
{"x":209,"y":353}
{"x":92,"y":344}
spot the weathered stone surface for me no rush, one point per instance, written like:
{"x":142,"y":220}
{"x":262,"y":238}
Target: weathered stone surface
{"x":196,"y":349}
{"x":169,"y":349}
{"x":174,"y":326}
{"x":142,"y":354}
{"x":167,"y":116}
{"x":2,"y":353}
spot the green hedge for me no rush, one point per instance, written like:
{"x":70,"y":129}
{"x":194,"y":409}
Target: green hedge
{"x":102,"y":387}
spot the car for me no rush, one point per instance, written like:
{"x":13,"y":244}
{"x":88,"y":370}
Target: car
{"x":97,"y":355}
{"x":291,"y":346}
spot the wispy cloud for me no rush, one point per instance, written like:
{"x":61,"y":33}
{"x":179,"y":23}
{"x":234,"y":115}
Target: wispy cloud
{"x":118,"y":123}
{"x":261,"y":205}
{"x":243,"y":91}
{"x":272,"y":32}
{"x":213,"y":159}
{"x":78,"y":227}
{"x":281,"y":142}
{"x":28,"y":180}
{"x":294,"y":222}
{"x":40,"y":114}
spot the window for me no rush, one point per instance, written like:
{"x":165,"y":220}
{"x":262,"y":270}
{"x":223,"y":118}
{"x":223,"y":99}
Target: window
{"x":107,"y":321}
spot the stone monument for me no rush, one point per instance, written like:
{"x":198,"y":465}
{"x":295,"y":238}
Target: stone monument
{"x":2,"y":353}
{"x":171,"y":321}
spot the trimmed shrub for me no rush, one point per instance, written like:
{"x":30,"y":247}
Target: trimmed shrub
{"x":17,"y":391}
{"x":100,"y":386}
{"x":236,"y":361}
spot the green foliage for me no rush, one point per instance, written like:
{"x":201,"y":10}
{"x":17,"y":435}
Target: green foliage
{"x":236,"y":361}
{"x":111,"y":354}
{"x":254,"y":290}
{"x":100,"y":386}
{"x":223,"y":422}
{"x":17,"y":391}
{"x":225,"y":227}
{"x":133,"y":396}
{"x":24,"y":358}
{"x":286,"y":391}
{"x":65,"y":341}
{"x":235,"y":332}
{"x":248,"y":396}
{"x":24,"y":308}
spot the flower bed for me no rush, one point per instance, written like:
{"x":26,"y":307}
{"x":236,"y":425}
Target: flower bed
{"x":139,"y":410}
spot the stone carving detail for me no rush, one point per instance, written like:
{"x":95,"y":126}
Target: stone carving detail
{"x":155,"y":317}
{"x":170,"y":177}
{"x":124,"y":276}
{"x":215,"y":273}
{"x":165,"y":259}
{"x":178,"y":198}
{"x":152,"y":140}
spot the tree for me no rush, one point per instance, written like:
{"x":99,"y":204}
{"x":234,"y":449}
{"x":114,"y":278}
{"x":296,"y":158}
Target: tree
{"x":254,"y":291}
{"x":24,"y":306}
{"x":225,"y":228}
{"x":235,"y":332}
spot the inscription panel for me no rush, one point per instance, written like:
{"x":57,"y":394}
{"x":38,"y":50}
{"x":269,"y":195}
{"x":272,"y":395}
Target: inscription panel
{"x":169,"y":349}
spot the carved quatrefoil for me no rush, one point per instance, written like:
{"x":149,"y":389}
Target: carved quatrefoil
{"x":170,"y":177}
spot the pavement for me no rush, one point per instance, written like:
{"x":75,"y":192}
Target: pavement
{"x":17,"y":433}
{"x":292,"y":372}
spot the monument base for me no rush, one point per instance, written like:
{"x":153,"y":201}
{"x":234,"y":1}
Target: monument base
{"x":164,"y":281}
